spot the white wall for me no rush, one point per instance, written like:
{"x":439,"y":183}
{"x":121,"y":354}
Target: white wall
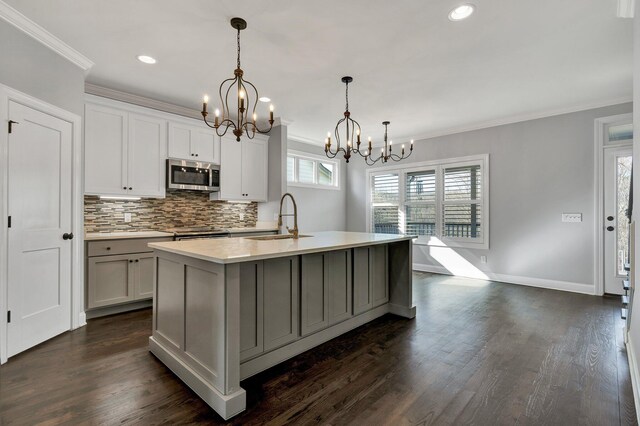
{"x":320,"y":209}
{"x":34,"y":69}
{"x":538,"y":170}
{"x":633,"y":345}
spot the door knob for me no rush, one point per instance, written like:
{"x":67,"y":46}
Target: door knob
{"x":610,"y":228}
{"x":609,"y":218}
{"x":67,"y":236}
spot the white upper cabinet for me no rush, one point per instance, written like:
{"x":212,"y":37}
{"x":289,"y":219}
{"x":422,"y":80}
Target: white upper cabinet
{"x":125,"y":152}
{"x":105,"y":151}
{"x":193,"y":142}
{"x":243,"y":169}
{"x":147,"y":153}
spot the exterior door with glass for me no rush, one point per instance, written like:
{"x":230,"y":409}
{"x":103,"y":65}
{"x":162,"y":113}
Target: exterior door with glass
{"x":617,"y":181}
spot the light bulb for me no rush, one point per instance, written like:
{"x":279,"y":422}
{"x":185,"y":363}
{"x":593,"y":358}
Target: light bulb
{"x":255,"y":116}
{"x":241,"y":94}
{"x":271,"y":107}
{"x":217,"y":112}
{"x":328,"y":134}
{"x":358,"y":132}
{"x":205,"y":99}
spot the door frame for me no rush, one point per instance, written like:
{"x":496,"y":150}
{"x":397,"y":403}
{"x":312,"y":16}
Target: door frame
{"x":78,"y":317}
{"x":600,"y":125}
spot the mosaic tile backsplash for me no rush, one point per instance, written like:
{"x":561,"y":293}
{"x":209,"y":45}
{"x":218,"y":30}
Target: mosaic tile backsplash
{"x":178,"y":209}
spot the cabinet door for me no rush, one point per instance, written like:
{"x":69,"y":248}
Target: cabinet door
{"x":147,"y":154}
{"x":254,"y":169}
{"x":110,"y":280}
{"x":143,"y":266}
{"x":251,"y":310}
{"x":231,"y":170}
{"x":179,"y":141}
{"x":314,"y":294}
{"x":361,"y":290}
{"x":337,"y":272}
{"x":204,"y":145}
{"x":105,"y":152}
{"x":378,"y":275}
{"x":280,"y":301}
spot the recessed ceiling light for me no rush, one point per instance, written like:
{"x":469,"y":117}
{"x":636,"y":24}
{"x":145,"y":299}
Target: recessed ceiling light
{"x":147,"y":59}
{"x":265,"y":99}
{"x":461,"y":12}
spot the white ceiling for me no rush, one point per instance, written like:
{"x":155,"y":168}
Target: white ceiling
{"x":411,"y":65}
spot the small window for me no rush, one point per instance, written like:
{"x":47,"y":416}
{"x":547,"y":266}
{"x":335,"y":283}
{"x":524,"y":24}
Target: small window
{"x":311,"y":171}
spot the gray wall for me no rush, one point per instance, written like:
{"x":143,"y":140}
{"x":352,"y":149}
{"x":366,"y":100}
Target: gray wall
{"x":538,"y":170}
{"x":320,"y":209}
{"x":34,"y":69}
{"x":277,"y":163}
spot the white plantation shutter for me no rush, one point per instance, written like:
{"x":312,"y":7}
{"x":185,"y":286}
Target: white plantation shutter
{"x":441,"y":203}
{"x":462,"y":206}
{"x":420,"y":203}
{"x":385,"y":202}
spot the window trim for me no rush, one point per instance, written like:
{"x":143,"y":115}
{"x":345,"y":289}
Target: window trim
{"x":316,"y":159}
{"x":438,"y":166}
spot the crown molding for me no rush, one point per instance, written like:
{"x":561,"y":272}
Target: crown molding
{"x":626,"y":8}
{"x":142,"y":101}
{"x":524,"y":117}
{"x":35,"y":31}
{"x":304,"y":140}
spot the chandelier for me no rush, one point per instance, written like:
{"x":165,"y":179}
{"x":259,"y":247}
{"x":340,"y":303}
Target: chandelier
{"x":246,"y":99}
{"x":352,"y":130}
{"x":386,"y":153}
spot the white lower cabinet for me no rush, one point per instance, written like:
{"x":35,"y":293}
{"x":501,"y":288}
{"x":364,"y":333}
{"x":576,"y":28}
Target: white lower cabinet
{"x":243,"y":169}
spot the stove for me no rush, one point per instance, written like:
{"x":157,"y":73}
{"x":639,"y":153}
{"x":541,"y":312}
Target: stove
{"x":194,"y":233}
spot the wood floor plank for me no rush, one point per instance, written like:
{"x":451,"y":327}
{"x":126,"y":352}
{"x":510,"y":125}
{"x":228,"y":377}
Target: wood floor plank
{"x":477,"y":353}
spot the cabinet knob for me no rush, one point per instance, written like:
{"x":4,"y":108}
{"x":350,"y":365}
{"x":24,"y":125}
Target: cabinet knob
{"x":137,"y":260}
{"x":67,"y":236}
{"x":108,"y":248}
{"x":130,"y":188}
{"x":130,"y":261}
{"x":124,"y":187}
{"x":196,"y":155}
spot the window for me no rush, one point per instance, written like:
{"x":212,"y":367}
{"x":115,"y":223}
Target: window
{"x":311,"y":171}
{"x":441,"y":202}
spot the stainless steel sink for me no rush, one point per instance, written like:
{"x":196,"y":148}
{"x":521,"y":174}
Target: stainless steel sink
{"x":275,"y":237}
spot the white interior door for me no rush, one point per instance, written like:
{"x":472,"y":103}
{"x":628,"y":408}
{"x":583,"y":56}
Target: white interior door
{"x":40,"y":207}
{"x":617,"y":179}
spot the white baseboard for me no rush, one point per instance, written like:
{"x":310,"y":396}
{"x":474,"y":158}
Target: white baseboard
{"x":513,"y":279}
{"x":82,"y":319}
{"x":635,"y":378}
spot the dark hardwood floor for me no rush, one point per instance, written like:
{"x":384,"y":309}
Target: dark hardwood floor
{"x":477,"y":353}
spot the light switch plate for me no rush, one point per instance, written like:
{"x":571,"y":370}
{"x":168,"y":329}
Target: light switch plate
{"x":127,"y":217}
{"x":572,"y":217}
{"x":483,"y":259}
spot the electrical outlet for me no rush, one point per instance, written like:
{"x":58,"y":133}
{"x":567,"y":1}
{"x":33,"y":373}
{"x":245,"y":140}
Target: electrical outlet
{"x":572,"y":217}
{"x":483,"y":259}
{"x":241,"y":216}
{"x":127,"y":217}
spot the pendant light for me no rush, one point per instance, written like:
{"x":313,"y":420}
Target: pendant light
{"x":240,"y":94}
{"x":386,"y":153}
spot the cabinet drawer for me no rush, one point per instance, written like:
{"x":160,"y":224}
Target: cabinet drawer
{"x":112,"y":247}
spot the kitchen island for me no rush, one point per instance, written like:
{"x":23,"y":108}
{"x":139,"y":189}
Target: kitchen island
{"x":226,"y":309}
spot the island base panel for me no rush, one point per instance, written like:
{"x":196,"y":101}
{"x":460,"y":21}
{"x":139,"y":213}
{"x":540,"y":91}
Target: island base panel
{"x":226,"y":406}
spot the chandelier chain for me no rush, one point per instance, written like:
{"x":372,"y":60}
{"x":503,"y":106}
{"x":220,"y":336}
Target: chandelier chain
{"x":238,"y":48}
{"x":347,"y":97}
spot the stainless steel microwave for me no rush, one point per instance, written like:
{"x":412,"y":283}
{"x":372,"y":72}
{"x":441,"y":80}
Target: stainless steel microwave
{"x":192,"y":175}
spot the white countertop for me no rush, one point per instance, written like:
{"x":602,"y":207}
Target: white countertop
{"x":95,"y":236}
{"x":234,"y":250}
{"x":252,"y":229}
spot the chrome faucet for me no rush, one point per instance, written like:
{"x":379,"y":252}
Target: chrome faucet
{"x":293,"y":231}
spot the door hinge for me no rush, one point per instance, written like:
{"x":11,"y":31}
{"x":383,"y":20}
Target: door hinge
{"x":8,"y":317}
{"x":11,"y":123}
{"x":9,"y":222}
